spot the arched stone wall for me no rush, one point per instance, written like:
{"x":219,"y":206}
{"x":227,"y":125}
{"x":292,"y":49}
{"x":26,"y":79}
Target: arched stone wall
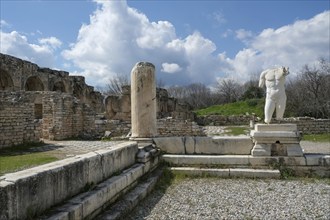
{"x":59,"y":86}
{"x":34,"y":83}
{"x":6,"y":82}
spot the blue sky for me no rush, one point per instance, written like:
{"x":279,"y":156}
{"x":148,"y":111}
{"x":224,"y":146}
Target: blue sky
{"x":188,"y":41}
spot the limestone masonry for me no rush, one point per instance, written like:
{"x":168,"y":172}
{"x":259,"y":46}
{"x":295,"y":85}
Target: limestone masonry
{"x":40,"y":103}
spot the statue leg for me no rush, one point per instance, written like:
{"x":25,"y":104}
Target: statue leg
{"x":280,"y":107}
{"x":269,"y":110}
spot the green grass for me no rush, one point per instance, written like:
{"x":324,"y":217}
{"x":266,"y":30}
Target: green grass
{"x":13,"y":163}
{"x":252,"y":106}
{"x":317,"y":137}
{"x":21,"y":157}
{"x":235,"y":131}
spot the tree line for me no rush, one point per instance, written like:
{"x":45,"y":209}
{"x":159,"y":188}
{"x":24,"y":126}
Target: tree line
{"x":308,"y":94}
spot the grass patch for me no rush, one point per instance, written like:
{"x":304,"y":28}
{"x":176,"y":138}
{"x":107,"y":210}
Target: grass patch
{"x":252,"y":106}
{"x":21,"y":157}
{"x":317,"y":137}
{"x":12,"y":163}
{"x":235,"y":131}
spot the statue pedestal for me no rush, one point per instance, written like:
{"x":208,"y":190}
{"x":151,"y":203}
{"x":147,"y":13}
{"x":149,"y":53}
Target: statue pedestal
{"x":276,"y":140}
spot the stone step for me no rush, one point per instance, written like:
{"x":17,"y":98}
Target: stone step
{"x":90,"y":203}
{"x":85,"y":204}
{"x":227,"y":173}
{"x":128,"y":202}
{"x":232,"y":160}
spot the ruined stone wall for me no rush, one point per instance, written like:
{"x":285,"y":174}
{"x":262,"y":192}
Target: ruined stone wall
{"x":118,"y":107}
{"x":305,"y":124}
{"x":177,"y":127}
{"x":18,"y":121}
{"x":308,"y":125}
{"x":165,"y":128}
{"x":64,"y":116}
{"x":30,"y":116}
{"x":222,"y":120}
{"x":21,"y":75}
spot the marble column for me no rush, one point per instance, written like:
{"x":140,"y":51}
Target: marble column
{"x":143,"y":101}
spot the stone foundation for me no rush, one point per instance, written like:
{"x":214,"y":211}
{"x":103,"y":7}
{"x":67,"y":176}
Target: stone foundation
{"x":276,"y":140}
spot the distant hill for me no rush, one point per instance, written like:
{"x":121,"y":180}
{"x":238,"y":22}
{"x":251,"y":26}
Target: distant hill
{"x":250,"y":106}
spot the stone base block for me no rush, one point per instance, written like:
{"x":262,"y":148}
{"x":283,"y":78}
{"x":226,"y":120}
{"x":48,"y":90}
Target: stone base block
{"x":276,"y":140}
{"x":261,"y":150}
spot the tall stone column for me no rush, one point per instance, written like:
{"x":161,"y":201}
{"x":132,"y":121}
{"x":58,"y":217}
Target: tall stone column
{"x":143,"y":101}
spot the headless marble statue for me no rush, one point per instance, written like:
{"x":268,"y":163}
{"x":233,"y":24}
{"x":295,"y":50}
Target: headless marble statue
{"x":274,"y":79}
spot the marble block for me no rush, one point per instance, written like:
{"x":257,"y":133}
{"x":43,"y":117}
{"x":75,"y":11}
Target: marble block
{"x":276,"y":140}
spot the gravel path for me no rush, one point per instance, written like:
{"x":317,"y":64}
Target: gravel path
{"x":210,"y":198}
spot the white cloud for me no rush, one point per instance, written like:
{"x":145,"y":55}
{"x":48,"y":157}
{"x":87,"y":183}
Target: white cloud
{"x":170,"y":68}
{"x":118,"y":36}
{"x":244,"y":35}
{"x":16,"y":44}
{"x":3,"y":24}
{"x":51,"y":42}
{"x":294,"y":45}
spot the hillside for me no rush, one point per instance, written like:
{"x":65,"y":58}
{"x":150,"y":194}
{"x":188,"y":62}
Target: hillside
{"x":250,"y":106}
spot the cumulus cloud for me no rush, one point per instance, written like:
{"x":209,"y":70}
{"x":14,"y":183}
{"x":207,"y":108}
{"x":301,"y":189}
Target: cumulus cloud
{"x":16,"y":44}
{"x":170,"y":68}
{"x":244,"y":35}
{"x":117,"y":36}
{"x":294,"y":45}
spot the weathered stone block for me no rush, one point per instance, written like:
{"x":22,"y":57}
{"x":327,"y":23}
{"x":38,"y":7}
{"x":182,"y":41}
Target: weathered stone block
{"x":171,"y":145}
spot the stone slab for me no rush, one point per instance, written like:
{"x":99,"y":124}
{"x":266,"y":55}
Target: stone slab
{"x":181,"y":160}
{"x":37,"y":189}
{"x":131,"y":199}
{"x":255,"y":173}
{"x":194,"y":171}
{"x":205,"y":145}
{"x":246,"y":160}
{"x":171,"y":145}
{"x":275,"y":127}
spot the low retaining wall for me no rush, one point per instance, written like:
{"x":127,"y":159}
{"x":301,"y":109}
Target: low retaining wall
{"x":165,"y":127}
{"x":222,"y":120}
{"x":307,"y":125}
{"x":177,"y":127}
{"x":30,"y":192}
{"x":205,"y":145}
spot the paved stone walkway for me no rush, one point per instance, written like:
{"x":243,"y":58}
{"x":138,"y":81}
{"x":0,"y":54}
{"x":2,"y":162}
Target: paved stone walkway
{"x":218,"y":130}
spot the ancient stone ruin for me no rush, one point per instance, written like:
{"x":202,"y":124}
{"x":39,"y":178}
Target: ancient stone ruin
{"x":108,"y":183}
{"x":40,"y":103}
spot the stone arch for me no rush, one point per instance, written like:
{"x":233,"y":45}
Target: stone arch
{"x":6,"y":82}
{"x":59,"y":87}
{"x":34,"y":83}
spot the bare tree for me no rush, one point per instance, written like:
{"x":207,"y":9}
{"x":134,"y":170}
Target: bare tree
{"x":252,"y":90}
{"x":230,"y":90}
{"x":197,"y":95}
{"x":309,"y":93}
{"x":178,"y":92}
{"x":115,"y":84}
